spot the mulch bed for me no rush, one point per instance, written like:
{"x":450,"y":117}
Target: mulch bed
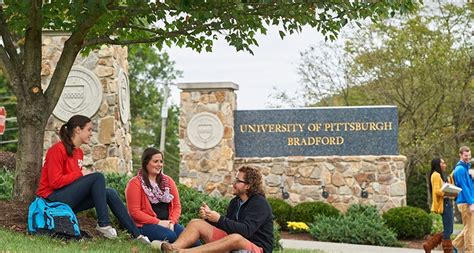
{"x":14,"y":216}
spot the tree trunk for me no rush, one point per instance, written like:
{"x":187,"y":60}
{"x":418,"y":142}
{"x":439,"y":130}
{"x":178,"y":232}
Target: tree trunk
{"x":32,"y":118}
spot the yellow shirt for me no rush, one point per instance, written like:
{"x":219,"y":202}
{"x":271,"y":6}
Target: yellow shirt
{"x":436,"y":193}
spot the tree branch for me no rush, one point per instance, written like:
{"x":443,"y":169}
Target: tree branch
{"x":9,"y":71}
{"x":11,"y":55}
{"x":189,"y":30}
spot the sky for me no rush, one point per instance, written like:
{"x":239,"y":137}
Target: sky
{"x":273,"y":64}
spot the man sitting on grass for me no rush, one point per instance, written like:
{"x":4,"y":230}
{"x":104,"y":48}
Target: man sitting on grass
{"x":247,"y":225}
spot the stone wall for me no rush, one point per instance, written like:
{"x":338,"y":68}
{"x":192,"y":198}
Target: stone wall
{"x":109,"y":150}
{"x":383,"y":177}
{"x":209,"y":168}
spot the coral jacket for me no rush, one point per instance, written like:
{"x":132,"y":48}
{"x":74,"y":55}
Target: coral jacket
{"x":59,"y":169}
{"x":139,"y":206}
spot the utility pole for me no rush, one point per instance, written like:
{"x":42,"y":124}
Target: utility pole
{"x":164,"y":116}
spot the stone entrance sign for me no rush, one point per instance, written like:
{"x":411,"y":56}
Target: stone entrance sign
{"x":338,"y":155}
{"x":82,"y":95}
{"x":342,"y":131}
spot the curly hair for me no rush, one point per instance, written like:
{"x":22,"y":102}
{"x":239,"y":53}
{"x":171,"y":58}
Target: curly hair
{"x":253,"y":177}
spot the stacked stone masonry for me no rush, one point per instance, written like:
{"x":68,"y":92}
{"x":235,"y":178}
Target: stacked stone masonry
{"x":344,"y":177}
{"x":109,"y":150}
{"x":210,"y":169}
{"x":383,"y":177}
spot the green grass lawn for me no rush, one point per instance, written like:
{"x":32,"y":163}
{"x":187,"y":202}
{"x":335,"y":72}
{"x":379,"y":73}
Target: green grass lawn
{"x":19,"y":242}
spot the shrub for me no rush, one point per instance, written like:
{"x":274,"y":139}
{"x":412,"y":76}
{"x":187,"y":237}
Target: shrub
{"x":191,"y":200}
{"x":417,"y":189}
{"x":118,"y":182}
{"x":408,"y":222}
{"x":276,"y":237}
{"x":437,"y":223}
{"x":360,"y":225}
{"x":281,"y":211}
{"x":6,"y":184}
{"x":367,"y":210}
{"x":306,"y":211}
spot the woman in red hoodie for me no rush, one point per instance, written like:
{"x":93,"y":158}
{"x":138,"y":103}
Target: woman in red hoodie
{"x":153,"y":199}
{"x":64,"y":179}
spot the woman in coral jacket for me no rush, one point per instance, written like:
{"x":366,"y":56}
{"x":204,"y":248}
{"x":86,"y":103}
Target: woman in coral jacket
{"x":153,"y":199}
{"x":64,"y":179}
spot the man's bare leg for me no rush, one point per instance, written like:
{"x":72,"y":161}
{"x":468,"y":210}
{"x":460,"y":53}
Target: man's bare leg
{"x":226,"y":244}
{"x":196,"y":229}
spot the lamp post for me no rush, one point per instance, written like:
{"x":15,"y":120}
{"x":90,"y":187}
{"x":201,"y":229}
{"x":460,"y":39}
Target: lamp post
{"x":164,"y":116}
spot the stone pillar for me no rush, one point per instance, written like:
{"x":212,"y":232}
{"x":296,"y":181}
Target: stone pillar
{"x":97,"y":87}
{"x":206,"y":136}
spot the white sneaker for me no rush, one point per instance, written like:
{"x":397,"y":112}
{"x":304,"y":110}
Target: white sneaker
{"x":143,"y":239}
{"x":107,"y":231}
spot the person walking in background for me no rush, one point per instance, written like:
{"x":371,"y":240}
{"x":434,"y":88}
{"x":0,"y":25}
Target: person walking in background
{"x":153,"y":199}
{"x":441,"y":204}
{"x":465,"y":201}
{"x":64,"y":179}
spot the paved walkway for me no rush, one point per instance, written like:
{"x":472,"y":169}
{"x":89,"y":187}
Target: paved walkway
{"x":331,"y":247}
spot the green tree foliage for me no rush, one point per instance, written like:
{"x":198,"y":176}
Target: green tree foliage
{"x":423,"y":67}
{"x":421,"y":64}
{"x":149,"y":71}
{"x":417,"y":189}
{"x":194,"y":24}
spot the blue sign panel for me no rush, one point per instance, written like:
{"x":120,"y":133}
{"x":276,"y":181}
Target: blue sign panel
{"x":325,"y":131}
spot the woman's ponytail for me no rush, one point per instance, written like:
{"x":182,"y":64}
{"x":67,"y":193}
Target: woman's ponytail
{"x":65,"y":135}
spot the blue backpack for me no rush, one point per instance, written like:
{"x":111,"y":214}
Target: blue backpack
{"x":52,"y":218}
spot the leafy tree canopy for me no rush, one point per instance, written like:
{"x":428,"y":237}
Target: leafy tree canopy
{"x":149,"y":72}
{"x":193,"y":24}
{"x":422,"y":64}
{"x":186,"y":23}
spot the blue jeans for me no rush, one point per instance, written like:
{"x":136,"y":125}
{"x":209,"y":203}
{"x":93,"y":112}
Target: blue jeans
{"x":157,"y":232}
{"x":448,"y":218}
{"x":89,"y":191}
